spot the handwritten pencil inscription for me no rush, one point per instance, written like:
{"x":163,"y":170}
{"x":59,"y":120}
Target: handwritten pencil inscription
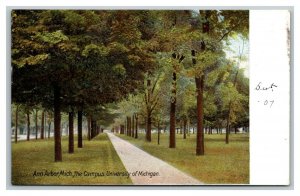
{"x":261,"y":87}
{"x":266,"y":88}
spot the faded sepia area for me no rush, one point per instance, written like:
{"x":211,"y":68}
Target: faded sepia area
{"x":130,"y":97}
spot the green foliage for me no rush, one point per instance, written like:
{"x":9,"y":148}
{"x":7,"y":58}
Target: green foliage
{"x":93,"y":49}
{"x":119,"y":69}
{"x":52,"y":38}
{"x":31,"y":60}
{"x":101,"y":57}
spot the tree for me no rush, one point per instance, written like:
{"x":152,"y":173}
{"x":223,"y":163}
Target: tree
{"x":43,"y":124}
{"x":71,"y":130}
{"x":63,"y":47}
{"x":16,"y":122}
{"x":213,"y":27}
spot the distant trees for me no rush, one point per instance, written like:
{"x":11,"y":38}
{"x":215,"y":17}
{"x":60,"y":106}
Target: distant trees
{"x":196,"y":43}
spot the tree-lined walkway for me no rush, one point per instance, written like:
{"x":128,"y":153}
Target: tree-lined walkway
{"x":142,"y":166}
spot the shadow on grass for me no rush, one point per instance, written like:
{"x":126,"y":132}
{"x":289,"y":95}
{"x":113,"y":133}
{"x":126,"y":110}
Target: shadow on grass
{"x":96,"y":156}
{"x":221,"y":164}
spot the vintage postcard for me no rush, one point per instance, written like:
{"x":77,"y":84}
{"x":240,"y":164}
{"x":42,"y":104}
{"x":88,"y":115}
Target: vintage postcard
{"x":150,"y":97}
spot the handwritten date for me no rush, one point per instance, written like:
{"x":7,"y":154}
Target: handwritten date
{"x":268,"y":102}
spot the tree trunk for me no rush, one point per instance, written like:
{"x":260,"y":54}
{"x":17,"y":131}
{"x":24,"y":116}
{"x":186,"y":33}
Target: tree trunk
{"x":43,"y":124}
{"x":57,"y":120}
{"x":129,"y":126}
{"x":49,"y":129}
{"x":125,"y":126}
{"x":184,"y":128}
{"x":181,"y":127}
{"x":71,"y":131}
{"x":188,"y":127}
{"x":158,"y":133}
{"x":136,"y":126}
{"x":36,"y":124}
{"x":89,"y":129}
{"x":199,"y":89}
{"x":200,"y":134}
{"x":94,"y":129}
{"x":16,"y":124}
{"x":229,"y":112}
{"x":235,"y":130}
{"x":28,"y":125}
{"x":148,"y":109}
{"x":132,"y":127}
{"x":79,"y":128}
{"x":227,"y":130}
{"x":122,"y":129}
{"x":172,"y":139}
{"x":148,"y":132}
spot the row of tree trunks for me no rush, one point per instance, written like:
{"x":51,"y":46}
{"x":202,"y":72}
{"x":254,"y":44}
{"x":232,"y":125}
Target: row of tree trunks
{"x":57,"y":126}
{"x":42,"y":136}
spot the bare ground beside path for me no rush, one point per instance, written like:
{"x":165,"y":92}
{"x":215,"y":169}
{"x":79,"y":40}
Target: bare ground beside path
{"x":146,"y":169}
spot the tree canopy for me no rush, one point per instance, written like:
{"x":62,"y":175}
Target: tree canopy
{"x":137,"y":67}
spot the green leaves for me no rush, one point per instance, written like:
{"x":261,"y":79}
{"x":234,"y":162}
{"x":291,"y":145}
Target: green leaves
{"x":117,"y":47}
{"x":52,"y":37}
{"x":119,"y":69}
{"x":99,"y":57}
{"x":93,"y":49}
{"x":31,"y":60}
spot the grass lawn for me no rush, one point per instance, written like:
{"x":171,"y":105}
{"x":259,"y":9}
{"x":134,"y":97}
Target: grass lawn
{"x":221,"y":164}
{"x":36,"y":157}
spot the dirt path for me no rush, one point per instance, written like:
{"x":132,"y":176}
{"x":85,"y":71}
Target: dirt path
{"x":146,"y":169}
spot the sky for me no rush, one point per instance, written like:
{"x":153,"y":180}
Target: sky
{"x":236,"y":46}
